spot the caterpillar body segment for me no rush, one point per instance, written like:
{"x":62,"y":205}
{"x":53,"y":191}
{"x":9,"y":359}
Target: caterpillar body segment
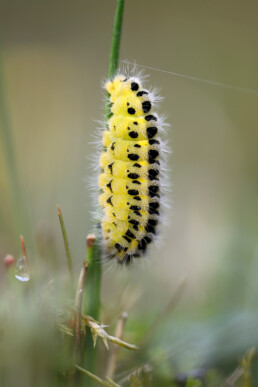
{"x":130,"y":163}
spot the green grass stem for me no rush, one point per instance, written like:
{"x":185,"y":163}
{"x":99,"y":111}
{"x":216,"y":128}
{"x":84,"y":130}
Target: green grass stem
{"x":66,"y":243}
{"x":92,"y":300}
{"x":116,"y":37}
{"x":115,"y":47}
{"x":9,"y":155}
{"x":94,"y":281}
{"x":95,"y":378}
{"x":20,"y":211}
{"x":93,"y":249}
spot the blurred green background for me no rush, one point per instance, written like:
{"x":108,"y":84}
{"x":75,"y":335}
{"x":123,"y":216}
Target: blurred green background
{"x":55,"y":59}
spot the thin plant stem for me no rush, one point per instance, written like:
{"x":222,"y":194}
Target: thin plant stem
{"x":91,"y":375}
{"x":94,"y":283}
{"x":92,"y":301}
{"x":114,"y":50}
{"x":119,"y":331}
{"x":116,"y":37}
{"x":78,"y":325}
{"x":6,"y":136}
{"x":122,"y":343}
{"x":93,"y":248}
{"x":107,"y":383}
{"x":233,"y":378}
{"x":24,"y":251}
{"x":243,"y":371}
{"x":67,"y":248}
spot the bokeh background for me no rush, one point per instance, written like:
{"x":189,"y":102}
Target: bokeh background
{"x":54,"y":58}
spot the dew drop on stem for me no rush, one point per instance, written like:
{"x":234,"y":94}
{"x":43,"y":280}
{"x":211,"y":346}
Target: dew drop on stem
{"x":22,"y":270}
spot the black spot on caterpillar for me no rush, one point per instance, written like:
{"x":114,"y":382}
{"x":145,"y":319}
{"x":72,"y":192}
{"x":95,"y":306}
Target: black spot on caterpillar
{"x":134,"y":222}
{"x":127,"y":239}
{"x":120,"y":248}
{"x":143,"y":243}
{"x":152,"y":155}
{"x":152,"y":131}
{"x":110,"y":167}
{"x":131,"y":111}
{"x":133,"y":192}
{"x":130,"y":234}
{"x":141,"y":93}
{"x":150,"y":229}
{"x":152,"y":142}
{"x":133,"y":157}
{"x":135,"y":208}
{"x":150,"y":117}
{"x":146,"y":106}
{"x":109,"y":201}
{"x":153,"y":190}
{"x":134,"y":86}
{"x":133,"y":175}
{"x":152,"y":174}
{"x":153,"y":206}
{"x":109,"y":186}
{"x":133,"y":134}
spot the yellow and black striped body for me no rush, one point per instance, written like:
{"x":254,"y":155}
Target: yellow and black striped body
{"x":130,"y":165}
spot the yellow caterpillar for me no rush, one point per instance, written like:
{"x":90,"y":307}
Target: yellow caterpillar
{"x":129,"y":182}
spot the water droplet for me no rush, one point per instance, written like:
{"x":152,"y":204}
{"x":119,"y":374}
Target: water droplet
{"x":22,"y":270}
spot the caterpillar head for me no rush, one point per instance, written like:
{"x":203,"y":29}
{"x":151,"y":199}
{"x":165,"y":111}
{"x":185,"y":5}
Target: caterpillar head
{"x":122,"y":86}
{"x":113,"y":86}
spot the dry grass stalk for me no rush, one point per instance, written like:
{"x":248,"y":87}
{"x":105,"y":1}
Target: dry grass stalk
{"x":78,"y":327}
{"x":119,"y":331}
